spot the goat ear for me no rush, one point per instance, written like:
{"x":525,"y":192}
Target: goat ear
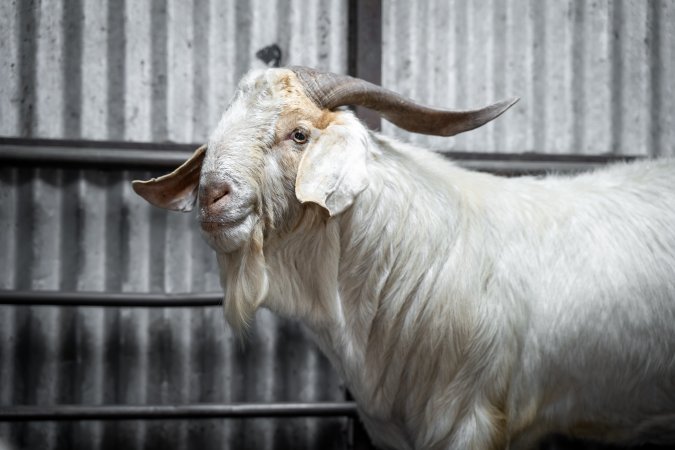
{"x":177,"y":190}
{"x":332,"y":171}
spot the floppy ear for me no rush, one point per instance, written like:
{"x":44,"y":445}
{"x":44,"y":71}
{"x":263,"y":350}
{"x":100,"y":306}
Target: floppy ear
{"x":332,"y":171}
{"x":176,"y":190}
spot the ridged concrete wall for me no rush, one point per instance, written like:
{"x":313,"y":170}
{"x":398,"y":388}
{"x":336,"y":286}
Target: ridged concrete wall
{"x":150,"y":70}
{"x":77,"y":230}
{"x":593,"y":76}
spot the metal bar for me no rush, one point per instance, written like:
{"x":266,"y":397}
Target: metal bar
{"x":194,"y":411}
{"x":516,"y":167}
{"x":136,"y":155}
{"x":365,"y":49}
{"x":97,"y":154}
{"x":117,"y":299}
{"x":532,"y":163}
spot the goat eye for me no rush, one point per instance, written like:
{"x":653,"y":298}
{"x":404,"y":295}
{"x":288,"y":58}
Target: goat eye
{"x":299,"y":136}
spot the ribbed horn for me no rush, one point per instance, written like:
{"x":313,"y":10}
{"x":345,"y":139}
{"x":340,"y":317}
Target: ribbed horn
{"x":330,"y":90}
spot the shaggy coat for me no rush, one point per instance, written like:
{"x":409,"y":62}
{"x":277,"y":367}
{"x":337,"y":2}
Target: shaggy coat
{"x":463,"y":310}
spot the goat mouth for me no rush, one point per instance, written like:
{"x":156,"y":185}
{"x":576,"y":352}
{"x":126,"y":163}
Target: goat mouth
{"x":216,"y":219}
{"x":227,"y":234}
{"x":217,"y":224}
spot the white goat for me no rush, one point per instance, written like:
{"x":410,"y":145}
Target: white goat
{"x":463,"y":310}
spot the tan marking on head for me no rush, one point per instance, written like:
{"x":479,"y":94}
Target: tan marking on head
{"x":284,"y":79}
{"x":300,"y":109}
{"x":327,"y":118}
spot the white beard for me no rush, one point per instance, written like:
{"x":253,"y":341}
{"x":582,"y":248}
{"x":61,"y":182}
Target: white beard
{"x":243,"y":276}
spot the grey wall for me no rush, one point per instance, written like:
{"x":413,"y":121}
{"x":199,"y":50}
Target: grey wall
{"x":77,"y":230}
{"x":140,"y":71}
{"x":149,"y":70}
{"x":593,"y":77}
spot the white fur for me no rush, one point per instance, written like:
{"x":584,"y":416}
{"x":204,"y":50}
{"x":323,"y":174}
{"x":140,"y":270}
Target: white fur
{"x":463,"y":310}
{"x":467,"y":311}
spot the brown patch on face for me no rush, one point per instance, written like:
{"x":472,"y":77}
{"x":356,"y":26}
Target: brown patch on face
{"x":283,"y":214}
{"x":327,"y":118}
{"x":299,"y":110}
{"x":285,"y":81}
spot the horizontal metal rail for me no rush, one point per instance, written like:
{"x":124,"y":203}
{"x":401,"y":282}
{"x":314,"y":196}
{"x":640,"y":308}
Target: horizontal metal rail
{"x":138,"y":155}
{"x":113,"y":299}
{"x":93,"y":154}
{"x":195,"y":411}
{"x":533,"y":166}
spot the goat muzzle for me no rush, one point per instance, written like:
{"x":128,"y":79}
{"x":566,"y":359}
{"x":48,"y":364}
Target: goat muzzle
{"x":215,"y":197}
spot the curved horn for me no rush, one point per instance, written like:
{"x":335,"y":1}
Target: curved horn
{"x":329,"y":90}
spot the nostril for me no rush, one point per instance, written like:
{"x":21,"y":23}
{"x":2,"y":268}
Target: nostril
{"x":212,"y":193}
{"x":223,"y":192}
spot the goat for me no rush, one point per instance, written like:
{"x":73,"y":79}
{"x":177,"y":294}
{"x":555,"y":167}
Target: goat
{"x":463,"y":310}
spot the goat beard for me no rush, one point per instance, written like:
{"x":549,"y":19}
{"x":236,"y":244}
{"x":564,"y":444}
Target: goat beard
{"x":243,"y":276}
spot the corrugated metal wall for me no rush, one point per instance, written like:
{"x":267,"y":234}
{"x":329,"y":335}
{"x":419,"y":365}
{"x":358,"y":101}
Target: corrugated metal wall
{"x":157,"y":71}
{"x":593,"y":76}
{"x":150,"y":70}
{"x":86,"y":231}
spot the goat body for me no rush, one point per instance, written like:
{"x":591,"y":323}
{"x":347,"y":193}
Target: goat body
{"x":463,"y":310}
{"x":466,"y":310}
